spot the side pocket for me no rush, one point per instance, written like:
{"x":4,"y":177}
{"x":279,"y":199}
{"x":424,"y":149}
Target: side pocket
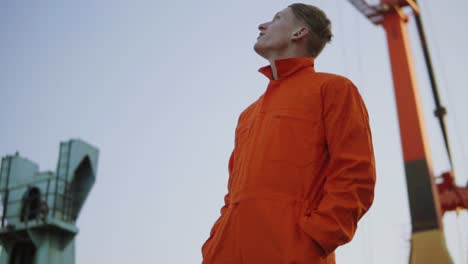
{"x":314,"y":248}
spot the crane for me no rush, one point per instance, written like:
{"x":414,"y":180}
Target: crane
{"x":428,"y":200}
{"x":40,"y":209}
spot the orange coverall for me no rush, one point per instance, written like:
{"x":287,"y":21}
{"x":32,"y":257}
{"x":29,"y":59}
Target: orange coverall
{"x":301,"y":174}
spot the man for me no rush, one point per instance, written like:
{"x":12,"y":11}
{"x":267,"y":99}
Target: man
{"x":302,"y":170}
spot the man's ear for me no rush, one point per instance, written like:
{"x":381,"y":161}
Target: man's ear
{"x":299,"y":33}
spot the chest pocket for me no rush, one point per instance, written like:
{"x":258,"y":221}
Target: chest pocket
{"x":294,"y":137}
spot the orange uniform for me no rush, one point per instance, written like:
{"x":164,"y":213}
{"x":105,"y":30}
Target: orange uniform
{"x":301,"y":174}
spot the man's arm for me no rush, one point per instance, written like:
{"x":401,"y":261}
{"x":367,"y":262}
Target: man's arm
{"x":226,"y":201}
{"x":350,"y":174}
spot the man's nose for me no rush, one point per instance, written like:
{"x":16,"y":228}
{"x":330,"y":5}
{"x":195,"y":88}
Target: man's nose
{"x":262,"y":26}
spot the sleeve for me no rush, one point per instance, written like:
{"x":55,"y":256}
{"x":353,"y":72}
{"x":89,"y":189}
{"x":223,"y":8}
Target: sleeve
{"x":230,"y":168}
{"x":226,"y":197}
{"x":350,"y":172}
{"x":226,"y":203}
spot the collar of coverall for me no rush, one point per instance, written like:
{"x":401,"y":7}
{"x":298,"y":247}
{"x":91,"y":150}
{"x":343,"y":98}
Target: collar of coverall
{"x":287,"y":67}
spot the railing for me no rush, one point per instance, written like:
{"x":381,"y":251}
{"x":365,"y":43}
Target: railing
{"x":59,"y":197}
{"x":373,"y":12}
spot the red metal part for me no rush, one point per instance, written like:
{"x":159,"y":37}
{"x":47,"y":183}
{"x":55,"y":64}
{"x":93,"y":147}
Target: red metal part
{"x":451,"y":196}
{"x":401,"y":3}
{"x":412,"y":127}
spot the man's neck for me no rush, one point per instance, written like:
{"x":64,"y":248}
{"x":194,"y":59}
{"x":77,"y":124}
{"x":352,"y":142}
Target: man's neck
{"x":273,"y":70}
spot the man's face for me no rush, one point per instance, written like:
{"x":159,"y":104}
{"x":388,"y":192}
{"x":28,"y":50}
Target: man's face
{"x":275,"y":36}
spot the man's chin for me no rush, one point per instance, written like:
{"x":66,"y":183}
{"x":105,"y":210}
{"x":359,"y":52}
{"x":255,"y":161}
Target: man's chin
{"x":259,"y":50}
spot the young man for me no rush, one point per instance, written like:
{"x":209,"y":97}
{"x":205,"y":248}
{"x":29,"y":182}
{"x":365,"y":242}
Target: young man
{"x":302,"y":171}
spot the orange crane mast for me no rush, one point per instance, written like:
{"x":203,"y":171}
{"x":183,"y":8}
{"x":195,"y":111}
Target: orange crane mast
{"x":427,"y":200}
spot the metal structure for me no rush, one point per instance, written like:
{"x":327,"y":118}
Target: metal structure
{"x":426,"y":205}
{"x":452,"y":197}
{"x":39,"y":209}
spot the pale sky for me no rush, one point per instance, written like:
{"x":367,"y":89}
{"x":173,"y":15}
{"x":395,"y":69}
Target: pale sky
{"x":158,"y":86}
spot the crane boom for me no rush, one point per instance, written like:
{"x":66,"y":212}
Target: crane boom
{"x":428,"y":241}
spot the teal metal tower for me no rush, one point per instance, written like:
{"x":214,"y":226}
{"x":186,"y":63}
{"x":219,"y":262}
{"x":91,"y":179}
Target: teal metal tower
{"x":39,"y":209}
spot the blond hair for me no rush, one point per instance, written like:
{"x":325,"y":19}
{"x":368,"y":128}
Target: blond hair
{"x":318,"y":23}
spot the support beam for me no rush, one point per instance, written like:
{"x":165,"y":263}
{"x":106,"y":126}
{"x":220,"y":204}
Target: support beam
{"x":428,"y":242}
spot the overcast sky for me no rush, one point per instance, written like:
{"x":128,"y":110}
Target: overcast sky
{"x":158,"y":86}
